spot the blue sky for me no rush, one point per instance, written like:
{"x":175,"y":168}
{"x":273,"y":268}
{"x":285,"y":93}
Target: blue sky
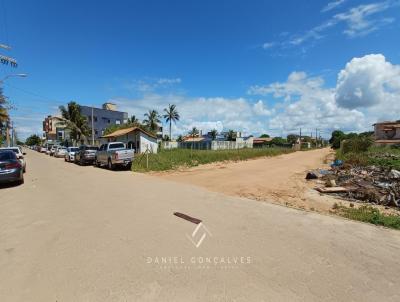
{"x":253,"y":66}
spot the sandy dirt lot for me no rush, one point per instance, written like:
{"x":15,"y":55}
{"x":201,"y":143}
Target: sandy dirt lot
{"x":73,"y":233}
{"x":278,"y":179}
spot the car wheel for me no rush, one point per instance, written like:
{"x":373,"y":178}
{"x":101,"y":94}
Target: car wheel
{"x":110,"y":165}
{"x":129,"y":166}
{"x":21,"y":181}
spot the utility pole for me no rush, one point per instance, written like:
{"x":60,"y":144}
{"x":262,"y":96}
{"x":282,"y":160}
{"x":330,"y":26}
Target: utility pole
{"x":300,"y":139}
{"x":92,"y":128}
{"x":316,"y":137}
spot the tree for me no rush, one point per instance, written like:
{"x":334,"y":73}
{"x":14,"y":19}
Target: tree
{"x":231,"y":135}
{"x":193,"y":132}
{"x":75,"y":121}
{"x":133,"y":121}
{"x":278,"y":141}
{"x":180,"y":138}
{"x":166,"y":138}
{"x":292,"y":138}
{"x":171,"y":115}
{"x":152,"y":119}
{"x":3,"y":111}
{"x":264,"y":135}
{"x":214,"y":134}
{"x":33,"y":140}
{"x":336,"y":138}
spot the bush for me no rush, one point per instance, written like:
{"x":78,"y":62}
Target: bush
{"x":356,"y":145}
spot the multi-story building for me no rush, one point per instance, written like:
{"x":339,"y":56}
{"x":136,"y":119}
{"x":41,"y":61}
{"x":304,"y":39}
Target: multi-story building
{"x":54,"y":129}
{"x":103,"y":118}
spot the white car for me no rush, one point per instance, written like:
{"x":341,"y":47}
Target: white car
{"x":70,"y":154}
{"x":20,"y":155}
{"x":53,"y":149}
{"x":60,"y":152}
{"x":42,"y":149}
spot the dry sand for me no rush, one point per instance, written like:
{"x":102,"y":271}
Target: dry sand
{"x":279,"y":179}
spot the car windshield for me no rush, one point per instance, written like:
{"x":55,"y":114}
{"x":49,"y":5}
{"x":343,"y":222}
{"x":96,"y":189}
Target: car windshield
{"x":92,"y":148}
{"x":7,"y":155}
{"x":15,"y":150}
{"x":73,"y":149}
{"x":116,"y":146}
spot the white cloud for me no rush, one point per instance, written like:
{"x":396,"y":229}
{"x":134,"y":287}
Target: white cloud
{"x":367,"y":90}
{"x":370,"y":81}
{"x":204,"y":113}
{"x":332,"y":5}
{"x":358,"y":21}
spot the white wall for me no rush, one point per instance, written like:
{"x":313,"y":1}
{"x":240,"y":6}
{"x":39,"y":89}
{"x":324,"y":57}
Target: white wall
{"x":147,"y":142}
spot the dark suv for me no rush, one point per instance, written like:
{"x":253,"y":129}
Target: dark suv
{"x":86,"y":154}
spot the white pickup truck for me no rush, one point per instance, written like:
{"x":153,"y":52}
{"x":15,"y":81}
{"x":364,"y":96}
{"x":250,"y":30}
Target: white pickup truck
{"x":114,"y":154}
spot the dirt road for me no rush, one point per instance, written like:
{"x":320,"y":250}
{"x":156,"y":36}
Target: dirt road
{"x":278,"y":179}
{"x":74,"y":233}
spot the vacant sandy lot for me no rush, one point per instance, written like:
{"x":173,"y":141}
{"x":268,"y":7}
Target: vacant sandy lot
{"x":278,"y":179}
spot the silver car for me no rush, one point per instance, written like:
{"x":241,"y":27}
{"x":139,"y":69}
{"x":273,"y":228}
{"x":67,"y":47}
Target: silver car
{"x":70,"y":154}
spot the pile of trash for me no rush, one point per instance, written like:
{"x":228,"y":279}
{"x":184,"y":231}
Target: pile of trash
{"x":366,"y":184}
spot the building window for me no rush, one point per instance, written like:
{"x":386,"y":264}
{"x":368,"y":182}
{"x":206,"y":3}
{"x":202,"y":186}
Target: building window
{"x":108,"y":121}
{"x":117,"y":122}
{"x":96,"y":132}
{"x":95,"y":118}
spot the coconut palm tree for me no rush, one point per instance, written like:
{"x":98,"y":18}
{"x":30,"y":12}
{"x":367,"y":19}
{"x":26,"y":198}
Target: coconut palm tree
{"x":133,"y":121}
{"x":152,"y":119}
{"x":214,"y":134}
{"x":75,"y":121}
{"x":171,"y":115}
{"x":231,"y":135}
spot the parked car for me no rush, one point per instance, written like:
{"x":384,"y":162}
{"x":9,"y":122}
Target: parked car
{"x":53,"y":149}
{"x":20,"y":155}
{"x":11,"y":169}
{"x":42,"y":149}
{"x":86,"y":154}
{"x":60,"y":152}
{"x":114,"y":154}
{"x":70,"y":154}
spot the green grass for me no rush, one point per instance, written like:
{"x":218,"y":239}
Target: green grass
{"x":387,"y":157}
{"x":176,"y":158}
{"x":370,"y":215}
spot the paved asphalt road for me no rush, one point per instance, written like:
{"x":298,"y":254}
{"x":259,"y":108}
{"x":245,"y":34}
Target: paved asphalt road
{"x":74,"y":233}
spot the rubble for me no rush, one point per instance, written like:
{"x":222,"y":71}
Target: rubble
{"x":365,"y":184}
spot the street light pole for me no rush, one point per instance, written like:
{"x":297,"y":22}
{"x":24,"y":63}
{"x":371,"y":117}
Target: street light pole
{"x":92,"y":128}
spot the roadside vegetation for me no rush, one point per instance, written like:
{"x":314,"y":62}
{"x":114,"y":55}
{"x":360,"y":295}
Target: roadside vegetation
{"x":358,"y":150}
{"x":368,"y":214}
{"x":177,"y":158}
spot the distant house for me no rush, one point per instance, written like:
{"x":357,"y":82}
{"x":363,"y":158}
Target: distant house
{"x":135,"y":138}
{"x":54,"y":129}
{"x":260,"y":141}
{"x":387,"y":133}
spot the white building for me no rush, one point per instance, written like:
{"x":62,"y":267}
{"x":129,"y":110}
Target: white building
{"x":135,"y":138}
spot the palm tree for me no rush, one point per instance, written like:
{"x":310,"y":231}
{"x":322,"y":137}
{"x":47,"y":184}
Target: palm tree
{"x":193,"y":134}
{"x":214,"y":134}
{"x":152,"y":119}
{"x":133,"y":121}
{"x":75,"y":121}
{"x":171,"y":115}
{"x":231,"y":135}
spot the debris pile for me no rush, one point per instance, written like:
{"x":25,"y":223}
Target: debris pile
{"x":366,"y":184}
